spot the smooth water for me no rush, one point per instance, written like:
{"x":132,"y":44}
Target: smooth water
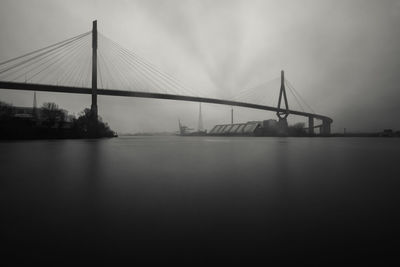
{"x":196,"y":200}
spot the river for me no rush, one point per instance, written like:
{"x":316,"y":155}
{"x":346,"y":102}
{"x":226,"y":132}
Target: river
{"x":195,"y":200}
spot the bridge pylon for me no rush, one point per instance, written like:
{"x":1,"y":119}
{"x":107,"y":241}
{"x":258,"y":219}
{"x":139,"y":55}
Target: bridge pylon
{"x":282,"y":113}
{"x":311,"y":125}
{"x":326,"y":127}
{"x":94,"y":72}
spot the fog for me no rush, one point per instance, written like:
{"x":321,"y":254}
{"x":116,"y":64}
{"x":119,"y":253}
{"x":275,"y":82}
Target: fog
{"x":341,"y":56}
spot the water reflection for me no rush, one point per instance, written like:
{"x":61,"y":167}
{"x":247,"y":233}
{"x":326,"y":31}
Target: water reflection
{"x":209,"y":199}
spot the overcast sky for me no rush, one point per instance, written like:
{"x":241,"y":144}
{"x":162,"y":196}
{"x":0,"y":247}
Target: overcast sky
{"x":343,"y":57}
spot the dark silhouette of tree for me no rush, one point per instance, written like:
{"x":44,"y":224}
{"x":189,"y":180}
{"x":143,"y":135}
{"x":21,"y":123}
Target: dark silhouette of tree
{"x":88,"y":127}
{"x":51,"y":123}
{"x":53,"y":116}
{"x":6,"y":111}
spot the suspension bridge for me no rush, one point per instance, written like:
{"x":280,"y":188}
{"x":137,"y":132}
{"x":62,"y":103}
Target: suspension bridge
{"x":77,"y":66}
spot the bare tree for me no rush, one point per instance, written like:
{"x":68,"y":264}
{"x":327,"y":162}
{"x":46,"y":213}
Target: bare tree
{"x":52,"y":114}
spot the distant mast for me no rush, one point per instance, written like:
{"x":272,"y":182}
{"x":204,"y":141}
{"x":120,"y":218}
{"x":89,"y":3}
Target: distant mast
{"x":34,"y":105}
{"x":34,"y":101}
{"x":180,"y":127}
{"x":200,"y":127}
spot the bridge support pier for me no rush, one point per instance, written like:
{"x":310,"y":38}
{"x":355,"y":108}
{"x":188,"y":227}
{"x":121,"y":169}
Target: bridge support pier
{"x":283,"y":127}
{"x":311,"y":125}
{"x":326,"y":127}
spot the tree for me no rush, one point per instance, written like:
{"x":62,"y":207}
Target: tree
{"x":87,"y":127}
{"x":6,"y":111}
{"x":52,"y":114}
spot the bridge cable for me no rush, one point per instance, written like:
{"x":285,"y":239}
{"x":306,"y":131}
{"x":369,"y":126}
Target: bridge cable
{"x":100,"y":76}
{"x":73,"y":77}
{"x":292,"y":87}
{"x":38,"y":59}
{"x":256,"y":92}
{"x":111,"y":76}
{"x":65,"y":52}
{"x":44,"y":48}
{"x":85,"y":68}
{"x":258,"y":87}
{"x":150,"y":79}
{"x":296,"y":99}
{"x":103,"y":62}
{"x":128,"y":58}
{"x":150,"y":75}
{"x":71,"y":67}
{"x":70,"y":55}
{"x":114,"y":54}
{"x":134,"y":58}
{"x":41,"y":54}
{"x":26,"y":72}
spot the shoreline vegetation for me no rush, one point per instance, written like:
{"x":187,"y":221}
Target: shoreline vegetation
{"x":49,"y":122}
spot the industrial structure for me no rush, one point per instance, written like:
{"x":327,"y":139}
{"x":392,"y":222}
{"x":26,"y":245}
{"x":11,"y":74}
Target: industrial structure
{"x":258,"y":128}
{"x":251,"y":128}
{"x":186,"y":131}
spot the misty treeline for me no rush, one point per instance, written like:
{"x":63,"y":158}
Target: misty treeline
{"x":49,"y":121}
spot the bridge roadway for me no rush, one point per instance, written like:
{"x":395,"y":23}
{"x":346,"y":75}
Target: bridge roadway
{"x":112,"y":92}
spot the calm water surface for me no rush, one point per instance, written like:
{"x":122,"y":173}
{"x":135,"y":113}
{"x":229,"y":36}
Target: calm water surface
{"x":201,"y":200}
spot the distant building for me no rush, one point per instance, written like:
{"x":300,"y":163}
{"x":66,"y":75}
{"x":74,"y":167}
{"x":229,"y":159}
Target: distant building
{"x":23,"y":112}
{"x":250,"y":128}
{"x":270,"y":124}
{"x":37,"y":115}
{"x":270,"y":127}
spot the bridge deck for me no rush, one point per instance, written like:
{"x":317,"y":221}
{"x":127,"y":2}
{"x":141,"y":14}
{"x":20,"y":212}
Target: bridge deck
{"x":113,"y":92}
